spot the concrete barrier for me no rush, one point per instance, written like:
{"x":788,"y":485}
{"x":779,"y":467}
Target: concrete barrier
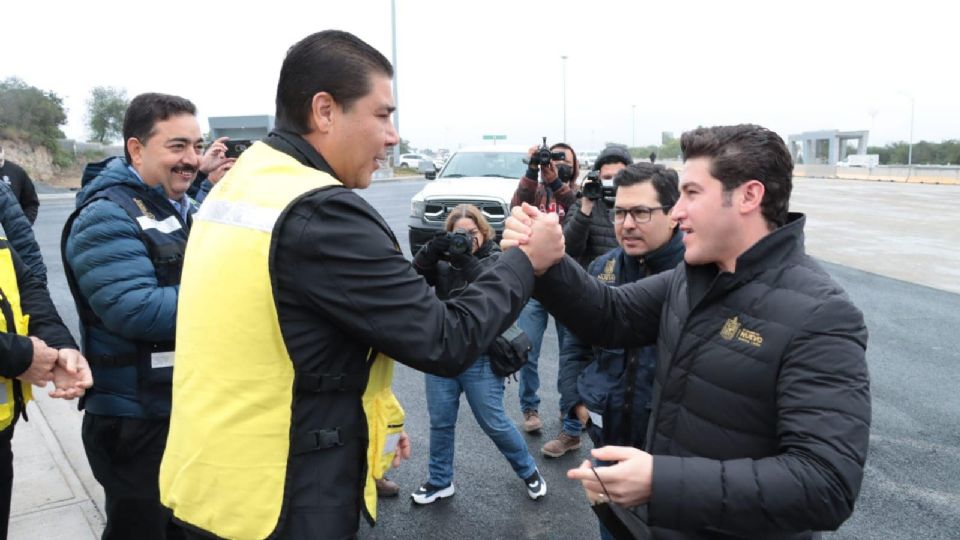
{"x":920,"y":174}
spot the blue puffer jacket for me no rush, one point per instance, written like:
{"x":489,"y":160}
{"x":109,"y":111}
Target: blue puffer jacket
{"x":117,"y":280}
{"x":617,"y":386}
{"x":19,"y":233}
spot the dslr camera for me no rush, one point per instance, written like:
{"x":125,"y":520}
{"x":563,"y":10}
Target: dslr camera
{"x":460,"y":242}
{"x":543,"y":155}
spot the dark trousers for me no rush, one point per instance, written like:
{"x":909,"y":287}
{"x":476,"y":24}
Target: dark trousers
{"x":124,"y":455}
{"x":6,"y":478}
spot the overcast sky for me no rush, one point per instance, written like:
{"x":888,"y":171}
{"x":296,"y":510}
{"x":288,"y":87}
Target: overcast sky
{"x":465,"y":69}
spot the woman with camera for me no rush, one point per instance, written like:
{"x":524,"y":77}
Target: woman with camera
{"x":450,"y":262}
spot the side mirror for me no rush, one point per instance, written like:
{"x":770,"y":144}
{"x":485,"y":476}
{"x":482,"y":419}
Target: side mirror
{"x":430,"y":175}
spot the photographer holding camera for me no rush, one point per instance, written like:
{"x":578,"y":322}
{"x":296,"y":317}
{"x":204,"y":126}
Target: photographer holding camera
{"x":550,"y":179}
{"x":450,"y":262}
{"x":589,"y":232}
{"x":559,"y":169}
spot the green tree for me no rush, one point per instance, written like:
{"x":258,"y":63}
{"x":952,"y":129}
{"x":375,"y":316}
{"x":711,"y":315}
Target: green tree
{"x":105,"y":109}
{"x":30,"y":113}
{"x":404,"y":146}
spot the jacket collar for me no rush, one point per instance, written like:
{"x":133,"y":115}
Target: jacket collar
{"x":771,"y":251}
{"x":487,"y":248}
{"x":298,"y":148}
{"x":663,"y":258}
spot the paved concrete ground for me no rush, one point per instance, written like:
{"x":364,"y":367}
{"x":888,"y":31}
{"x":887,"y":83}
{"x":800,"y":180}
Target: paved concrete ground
{"x":905,"y":231}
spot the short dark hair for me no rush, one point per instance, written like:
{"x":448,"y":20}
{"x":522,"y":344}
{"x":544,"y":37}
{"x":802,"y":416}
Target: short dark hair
{"x":331,"y":61}
{"x":746,"y":152}
{"x":664,"y":180}
{"x":146,"y":110}
{"x":576,"y":161}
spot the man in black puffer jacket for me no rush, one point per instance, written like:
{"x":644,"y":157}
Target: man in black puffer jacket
{"x":761,"y":409}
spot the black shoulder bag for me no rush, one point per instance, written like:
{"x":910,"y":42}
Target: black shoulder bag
{"x":509,"y":352}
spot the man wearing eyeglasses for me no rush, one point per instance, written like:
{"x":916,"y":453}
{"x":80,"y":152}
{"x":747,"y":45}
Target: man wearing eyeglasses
{"x":608,"y":390}
{"x":588,"y":233}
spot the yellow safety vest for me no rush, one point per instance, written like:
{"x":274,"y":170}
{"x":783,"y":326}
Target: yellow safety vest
{"x":10,"y":292}
{"x":225,"y":461}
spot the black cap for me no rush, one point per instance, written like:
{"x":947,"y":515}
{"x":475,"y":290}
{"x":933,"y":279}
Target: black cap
{"x":615,"y":153}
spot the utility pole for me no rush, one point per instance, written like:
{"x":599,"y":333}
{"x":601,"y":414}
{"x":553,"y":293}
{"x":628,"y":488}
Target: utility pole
{"x":564,"y":58}
{"x":396,"y":75}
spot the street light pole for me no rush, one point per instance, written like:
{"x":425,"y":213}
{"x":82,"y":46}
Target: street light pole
{"x":564,"y":58}
{"x":910,"y":148}
{"x":396,"y":72}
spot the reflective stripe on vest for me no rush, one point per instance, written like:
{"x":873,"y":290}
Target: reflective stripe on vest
{"x":10,"y":293}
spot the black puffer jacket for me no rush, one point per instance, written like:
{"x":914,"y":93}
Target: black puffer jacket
{"x":589,"y":237}
{"x":761,"y":414}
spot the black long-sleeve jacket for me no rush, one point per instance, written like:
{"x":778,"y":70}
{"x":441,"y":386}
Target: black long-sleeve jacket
{"x":343,"y":287}
{"x":16,"y":352}
{"x":22,"y":186}
{"x":761,"y":416}
{"x":588,"y":237}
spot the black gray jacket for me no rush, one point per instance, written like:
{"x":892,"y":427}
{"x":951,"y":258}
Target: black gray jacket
{"x":589,"y":237}
{"x":761,"y":415}
{"x":17,"y":230}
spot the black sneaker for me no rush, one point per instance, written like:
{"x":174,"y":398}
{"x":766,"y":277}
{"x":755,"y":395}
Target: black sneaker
{"x":429,"y":493}
{"x":536,"y":487}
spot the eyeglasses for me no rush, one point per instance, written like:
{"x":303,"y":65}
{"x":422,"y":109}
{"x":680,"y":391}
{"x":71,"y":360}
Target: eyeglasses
{"x":640,"y":214}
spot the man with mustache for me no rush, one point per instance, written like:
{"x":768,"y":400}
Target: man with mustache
{"x":123,"y":252}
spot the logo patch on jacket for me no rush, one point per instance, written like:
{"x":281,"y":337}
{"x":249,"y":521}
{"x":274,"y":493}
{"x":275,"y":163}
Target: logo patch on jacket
{"x":732,"y":329}
{"x":143,"y":208}
{"x":608,"y":275}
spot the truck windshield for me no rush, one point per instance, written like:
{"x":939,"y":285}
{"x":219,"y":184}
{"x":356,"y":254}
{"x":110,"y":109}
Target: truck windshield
{"x":504,"y":164}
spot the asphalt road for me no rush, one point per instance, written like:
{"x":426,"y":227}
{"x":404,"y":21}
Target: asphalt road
{"x":912,"y":483}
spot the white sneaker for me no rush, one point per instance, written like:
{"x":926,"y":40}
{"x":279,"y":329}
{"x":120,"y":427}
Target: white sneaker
{"x":536,"y":486}
{"x":429,"y":493}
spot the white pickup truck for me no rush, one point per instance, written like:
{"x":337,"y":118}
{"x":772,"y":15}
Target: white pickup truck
{"x":484,"y":176}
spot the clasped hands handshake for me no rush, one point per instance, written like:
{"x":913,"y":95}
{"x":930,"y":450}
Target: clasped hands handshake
{"x":538,"y":234}
{"x":67,"y":368}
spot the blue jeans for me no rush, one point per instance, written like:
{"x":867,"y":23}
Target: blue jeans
{"x":484,"y":392}
{"x":533,"y":321}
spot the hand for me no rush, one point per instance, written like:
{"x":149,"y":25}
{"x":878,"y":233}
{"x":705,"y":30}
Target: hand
{"x":548,"y":172}
{"x":582,"y":414}
{"x":517,"y":228}
{"x":215,"y":156}
{"x":538,"y":235}
{"x":439,"y":245}
{"x":586,"y":206}
{"x":217,"y":174}
{"x":403,"y":450}
{"x":40,"y":371}
{"x":460,"y":260}
{"x":592,"y":497}
{"x":71,"y":375}
{"x":628,"y":482}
